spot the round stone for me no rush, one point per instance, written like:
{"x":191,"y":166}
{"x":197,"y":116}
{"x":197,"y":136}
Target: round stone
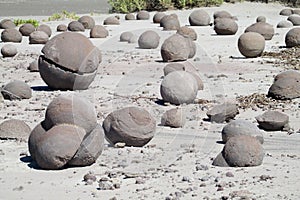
{"x":171,"y":67}
{"x":175,"y":93}
{"x":286,"y":12}
{"x":9,"y":50}
{"x":131,"y":125}
{"x":111,"y":21}
{"x":149,"y":40}
{"x":11,"y":35}
{"x":75,"y":26}
{"x":225,"y":26}
{"x":187,"y":32}
{"x":143,"y":15}
{"x":98,"y":31}
{"x":174,"y":118}
{"x":14,"y":129}
{"x":241,"y":127}
{"x":38,"y":37}
{"x":16,"y":90}
{"x":251,"y":44}
{"x":129,"y":16}
{"x":265,"y":29}
{"x":295,"y":19}
{"x":175,"y":48}
{"x":292,"y":38}
{"x":87,"y":21}
{"x":61,"y":28}
{"x":7,"y":24}
{"x":284,"y":24}
{"x":199,"y":18}
{"x":26,"y":29}
{"x":170,"y":22}
{"x":126,"y":36}
{"x":46,"y":29}
{"x":222,"y":14}
{"x":157,"y":17}
{"x":272,"y":120}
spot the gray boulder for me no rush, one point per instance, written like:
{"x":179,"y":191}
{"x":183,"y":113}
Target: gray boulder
{"x":26,"y":29}
{"x":241,"y":127}
{"x":157,"y":17}
{"x":61,"y":28}
{"x":38,"y":37}
{"x":292,"y":38}
{"x":187,"y":32}
{"x":46,"y":29}
{"x":173,"y":67}
{"x":75,"y":26}
{"x":98,"y":31}
{"x":225,"y":26}
{"x":126,"y":36}
{"x":111,"y":21}
{"x":16,"y":90}
{"x":175,"y":48}
{"x":272,"y":120}
{"x":251,"y":44}
{"x":295,"y":19}
{"x":175,"y":93}
{"x":265,"y":29}
{"x":284,"y":24}
{"x":129,"y":16}
{"x":149,"y":40}
{"x":222,"y":112}
{"x":11,"y":35}
{"x":170,"y":22}
{"x":132,"y":126}
{"x":286,"y":12}
{"x":199,"y":18}
{"x":174,"y":118}
{"x":14,"y":129}
{"x":7,"y":24}
{"x":87,"y":21}
{"x":9,"y":50}
{"x":143,"y":15}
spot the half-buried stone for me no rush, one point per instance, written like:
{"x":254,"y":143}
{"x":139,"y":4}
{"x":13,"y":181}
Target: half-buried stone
{"x":263,"y":28}
{"x":149,"y":40}
{"x":131,"y":125}
{"x":272,"y":120}
{"x":14,"y":129}
{"x":174,"y":118}
{"x":16,"y":90}
{"x":295,"y":19}
{"x":241,"y":127}
{"x":175,"y":93}
{"x":251,"y":44}
{"x":63,"y":69}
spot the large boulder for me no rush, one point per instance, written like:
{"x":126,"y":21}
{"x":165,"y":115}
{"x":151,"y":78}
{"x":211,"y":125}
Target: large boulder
{"x":241,"y":151}
{"x":174,"y":118}
{"x":132,"y":126}
{"x":157,"y":17}
{"x":265,"y":29}
{"x":251,"y":44}
{"x":11,"y":35}
{"x":170,"y":22}
{"x":272,"y":120}
{"x":87,"y":21}
{"x":295,"y":19}
{"x":63,"y":69}
{"x":175,"y":48}
{"x":75,"y":26}
{"x":14,"y":129}
{"x":149,"y":40}
{"x":7,"y":24}
{"x":199,"y":18}
{"x":16,"y":90}
{"x":143,"y":15}
{"x":286,"y":12}
{"x":241,"y":127}
{"x":292,"y":38}
{"x":98,"y":31}
{"x":187,"y":32}
{"x":222,"y":112}
{"x":111,"y":21}
{"x":225,"y":26}
{"x":175,"y":93}
{"x":38,"y":37}
{"x":9,"y":50}
{"x":284,"y":24}
{"x":286,"y":86}
{"x":26,"y":29}
{"x":45,"y":28}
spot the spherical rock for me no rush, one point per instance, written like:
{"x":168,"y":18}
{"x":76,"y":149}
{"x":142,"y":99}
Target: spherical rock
{"x":14,"y":129}
{"x":45,"y":28}
{"x":16,"y":90}
{"x":199,"y":18}
{"x":175,"y":48}
{"x":7,"y":24}
{"x":286,"y":86}
{"x":265,"y":29}
{"x":284,"y":24}
{"x":243,"y":151}
{"x":61,"y":68}
{"x":125,"y":36}
{"x":170,"y":22}
{"x":98,"y":31}
{"x":149,"y":40}
{"x":251,"y":44}
{"x":129,"y":16}
{"x":58,"y":145}
{"x":157,"y":17}
{"x":174,"y":118}
{"x":75,"y":26}
{"x":111,"y":21}
{"x":9,"y":50}
{"x":222,"y":14}
{"x":295,"y":19}
{"x":11,"y":35}
{"x":175,"y":93}
{"x":61,"y":28}
{"x":261,"y":19}
{"x":225,"y":26}
{"x":34,"y":66}
{"x":286,"y":12}
{"x":292,"y":38}
{"x":187,"y":32}
{"x":71,"y":109}
{"x":173,"y":67}
{"x":272,"y":120}
{"x":87,"y":21}
{"x":143,"y":15}
{"x":26,"y":29}
{"x":241,"y":127}
{"x":38,"y":37}
{"x":222,"y":112}
{"x":133,"y":126}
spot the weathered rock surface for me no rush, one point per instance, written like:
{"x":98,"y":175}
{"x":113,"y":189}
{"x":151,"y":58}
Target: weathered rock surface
{"x":14,"y":129}
{"x":98,"y":31}
{"x":16,"y":90}
{"x":175,"y":118}
{"x":272,"y":120}
{"x":251,"y":44}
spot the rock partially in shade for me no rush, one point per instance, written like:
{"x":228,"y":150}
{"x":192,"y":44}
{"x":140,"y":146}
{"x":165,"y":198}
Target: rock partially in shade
{"x":175,"y":118}
{"x":98,"y":31}
{"x":292,"y":38}
{"x":111,"y":21}
{"x":143,"y":15}
{"x":131,"y":125}
{"x":272,"y":120}
{"x":16,"y":90}
{"x":38,"y":37}
{"x":265,"y":29}
{"x":75,"y":26}
{"x":222,"y":112}
{"x":199,"y":18}
{"x":241,"y":127}
{"x":14,"y":129}
{"x":157,"y":17}
{"x":26,"y":29}
{"x":187,"y":32}
{"x":11,"y":35}
{"x":46,"y":29}
{"x":149,"y":40}
{"x":251,"y":44}
{"x":7,"y":24}
{"x":9,"y":50}
{"x":87,"y":21}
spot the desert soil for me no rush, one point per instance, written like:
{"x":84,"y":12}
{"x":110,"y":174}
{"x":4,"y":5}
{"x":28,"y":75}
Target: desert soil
{"x":177,"y":162}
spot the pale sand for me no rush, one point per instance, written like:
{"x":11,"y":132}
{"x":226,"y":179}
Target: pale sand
{"x":173,"y":153}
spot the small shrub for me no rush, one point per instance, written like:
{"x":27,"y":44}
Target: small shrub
{"x":34,"y":22}
{"x":127,"y":6}
{"x":159,"y":5}
{"x":63,"y":15}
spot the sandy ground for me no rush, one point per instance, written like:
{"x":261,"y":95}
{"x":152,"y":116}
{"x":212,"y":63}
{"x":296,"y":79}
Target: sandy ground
{"x":177,"y":162}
